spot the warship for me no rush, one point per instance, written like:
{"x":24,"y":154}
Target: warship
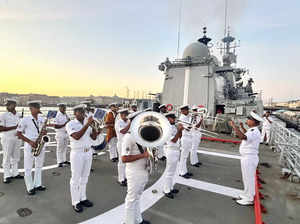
{"x":206,"y":198}
{"x":199,"y":78}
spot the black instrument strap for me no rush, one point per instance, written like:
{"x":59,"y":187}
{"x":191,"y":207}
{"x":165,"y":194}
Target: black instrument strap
{"x":140,"y":148}
{"x":37,"y":128}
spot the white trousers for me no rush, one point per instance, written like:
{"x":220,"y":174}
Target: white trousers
{"x":265,"y":132}
{"x":196,"y":139}
{"x":81,"y":163}
{"x":38,"y":164}
{"x":11,"y":156}
{"x":160,"y":151}
{"x":136,"y":182}
{"x":112,"y":146}
{"x":186,"y":146}
{"x":121,"y":165}
{"x":249,"y":165}
{"x":172,"y":155}
{"x":62,"y":145}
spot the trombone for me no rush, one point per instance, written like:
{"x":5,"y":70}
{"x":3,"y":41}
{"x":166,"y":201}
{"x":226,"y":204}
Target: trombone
{"x":189,"y":126}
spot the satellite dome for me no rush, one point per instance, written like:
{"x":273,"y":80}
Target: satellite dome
{"x":196,"y":50}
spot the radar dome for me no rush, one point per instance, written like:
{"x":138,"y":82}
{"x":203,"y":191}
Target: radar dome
{"x":196,"y":50}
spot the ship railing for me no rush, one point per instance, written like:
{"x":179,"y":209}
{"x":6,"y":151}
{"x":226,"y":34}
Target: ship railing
{"x":288,"y":144}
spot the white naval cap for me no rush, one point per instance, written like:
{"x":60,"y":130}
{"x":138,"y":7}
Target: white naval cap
{"x":161,"y":106}
{"x":255,"y":116}
{"x":61,"y":104}
{"x":34,"y":103}
{"x":170,"y":114}
{"x":123,"y":110}
{"x":184,"y":106}
{"x":86,"y":102}
{"x":194,"y":107}
{"x":80,"y":106}
{"x":134,"y":114}
{"x":10,"y":100}
{"x":134,"y":105}
{"x":112,"y":104}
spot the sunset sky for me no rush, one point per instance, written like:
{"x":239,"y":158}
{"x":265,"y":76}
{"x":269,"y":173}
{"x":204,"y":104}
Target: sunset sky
{"x":72,"y":47}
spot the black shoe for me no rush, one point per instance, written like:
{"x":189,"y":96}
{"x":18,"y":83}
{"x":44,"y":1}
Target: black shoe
{"x":175,"y":191}
{"x":189,"y":174}
{"x":7,"y":180}
{"x":61,"y":165}
{"x":31,"y":192}
{"x":163,"y":158}
{"x":86,"y":203}
{"x":267,"y":143}
{"x":40,"y":188}
{"x":186,"y":176}
{"x":114,"y":160}
{"x":145,"y":222}
{"x":92,"y":170}
{"x":18,"y":177}
{"x":123,"y":183}
{"x":67,"y":163}
{"x":261,"y":143}
{"x":196,"y":165}
{"x":169,"y":195}
{"x":78,"y":207}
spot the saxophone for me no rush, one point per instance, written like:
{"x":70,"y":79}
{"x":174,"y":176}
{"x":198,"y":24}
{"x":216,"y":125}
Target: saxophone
{"x":41,"y":140}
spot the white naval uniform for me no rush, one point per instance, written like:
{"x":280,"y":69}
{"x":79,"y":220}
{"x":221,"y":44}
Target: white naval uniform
{"x":172,"y":151}
{"x":30,"y":131}
{"x":61,"y":137}
{"x":137,"y":178}
{"x":160,"y":149}
{"x":81,"y":161}
{"x":119,"y":125}
{"x":249,"y":161}
{"x":10,"y":144}
{"x":196,"y":139}
{"x":186,"y":145}
{"x":266,"y":130}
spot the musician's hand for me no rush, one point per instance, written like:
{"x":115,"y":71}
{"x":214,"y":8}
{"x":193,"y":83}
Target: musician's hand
{"x":231,"y":123}
{"x":44,"y":132}
{"x":180,"y":127}
{"x":33,"y":144}
{"x":146,"y":154}
{"x":90,"y":120}
{"x":241,"y":125}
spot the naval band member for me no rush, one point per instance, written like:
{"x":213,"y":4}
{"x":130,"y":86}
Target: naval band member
{"x":29,"y":130}
{"x":135,"y":157}
{"x":186,"y":142}
{"x":122,"y":127}
{"x":161,"y":153}
{"x":266,"y":129}
{"x":249,"y":153}
{"x":172,"y":150}
{"x":196,"y":137}
{"x":111,"y":137}
{"x":62,"y":138}
{"x":11,"y":144}
{"x":80,"y":134}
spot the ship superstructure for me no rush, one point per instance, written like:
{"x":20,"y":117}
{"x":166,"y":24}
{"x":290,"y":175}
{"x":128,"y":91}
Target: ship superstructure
{"x":199,"y":78}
